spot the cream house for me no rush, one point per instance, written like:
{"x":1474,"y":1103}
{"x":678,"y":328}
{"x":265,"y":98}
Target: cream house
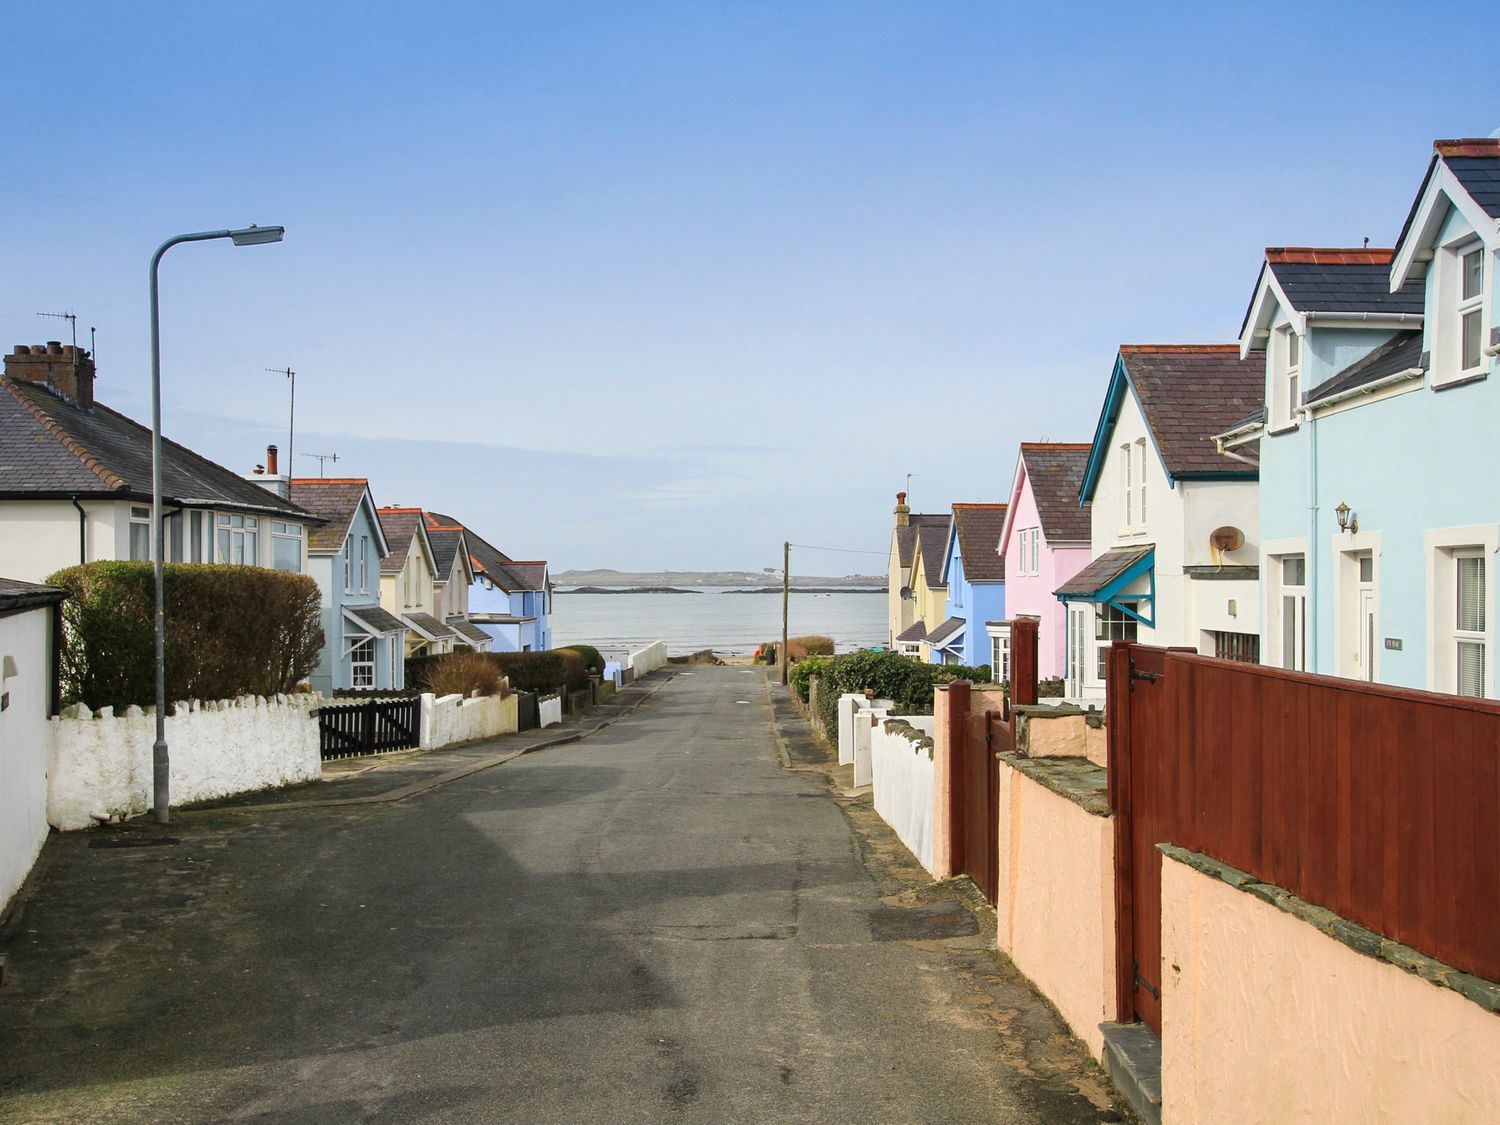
{"x":909,"y":605}
{"x":408,"y":582}
{"x":1173,"y":522}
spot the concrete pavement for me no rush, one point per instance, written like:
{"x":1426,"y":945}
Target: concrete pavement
{"x":655,"y":923}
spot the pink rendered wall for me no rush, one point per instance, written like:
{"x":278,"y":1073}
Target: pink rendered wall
{"x":1031,"y":595}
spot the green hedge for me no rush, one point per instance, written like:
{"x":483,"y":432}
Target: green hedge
{"x":230,"y":631}
{"x":593,"y":659}
{"x":890,"y":675}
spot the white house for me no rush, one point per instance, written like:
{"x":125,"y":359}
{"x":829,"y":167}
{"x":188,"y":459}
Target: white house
{"x":1173,"y":522}
{"x":28,"y":690}
{"x":77,"y":483}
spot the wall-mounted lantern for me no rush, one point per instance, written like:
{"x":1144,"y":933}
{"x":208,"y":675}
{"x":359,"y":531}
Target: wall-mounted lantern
{"x":1348,"y":520}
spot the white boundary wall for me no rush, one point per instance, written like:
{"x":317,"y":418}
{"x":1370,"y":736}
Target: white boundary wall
{"x":24,"y":640}
{"x":902,"y":769}
{"x":549,"y":710}
{"x":849,"y":705}
{"x":452,"y":718}
{"x":649,"y":659}
{"x":101,"y":764}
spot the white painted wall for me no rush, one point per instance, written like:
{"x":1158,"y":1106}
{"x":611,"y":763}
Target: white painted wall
{"x":40,"y":537}
{"x":25,"y":638}
{"x":102,"y":763}
{"x":549,"y":710}
{"x":649,"y":659}
{"x":849,"y":705}
{"x":452,"y":719}
{"x":902,"y":772}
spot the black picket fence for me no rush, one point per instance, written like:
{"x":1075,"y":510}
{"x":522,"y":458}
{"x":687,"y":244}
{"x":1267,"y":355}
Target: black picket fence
{"x":374,"y":727}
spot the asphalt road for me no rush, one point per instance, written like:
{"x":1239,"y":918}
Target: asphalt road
{"x":656,"y":923}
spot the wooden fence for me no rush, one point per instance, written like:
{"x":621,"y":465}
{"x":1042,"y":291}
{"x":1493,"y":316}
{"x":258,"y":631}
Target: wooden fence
{"x":372,"y":727}
{"x":1374,"y":802}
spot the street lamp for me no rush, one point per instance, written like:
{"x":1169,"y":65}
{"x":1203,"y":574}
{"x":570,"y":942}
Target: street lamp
{"x":245,"y":236}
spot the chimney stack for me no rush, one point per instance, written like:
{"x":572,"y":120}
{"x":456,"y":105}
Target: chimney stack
{"x":902,"y":512}
{"x":271,"y":461}
{"x":61,"y":368}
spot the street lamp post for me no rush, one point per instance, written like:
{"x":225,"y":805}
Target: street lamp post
{"x":246,"y":236}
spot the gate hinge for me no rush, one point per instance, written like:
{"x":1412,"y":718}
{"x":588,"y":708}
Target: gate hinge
{"x":1143,"y":982}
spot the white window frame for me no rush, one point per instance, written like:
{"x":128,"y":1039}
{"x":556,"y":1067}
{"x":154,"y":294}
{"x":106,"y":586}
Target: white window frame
{"x":1443,"y":546}
{"x":362,"y":663}
{"x":139,"y":522}
{"x":348,"y":565}
{"x":1140,"y":481}
{"x":1471,"y":305}
{"x":1447,"y":336}
{"x":1287,"y":346}
{"x":1273,"y":639}
{"x":1127,"y":488}
{"x":1000,"y":653}
{"x":364,"y":563}
{"x":285,"y":532}
{"x":1111,"y":623}
{"x":237,"y":529}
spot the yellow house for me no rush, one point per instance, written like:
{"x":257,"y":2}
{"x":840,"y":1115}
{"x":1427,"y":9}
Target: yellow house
{"x":408,"y":577}
{"x":923,"y":593}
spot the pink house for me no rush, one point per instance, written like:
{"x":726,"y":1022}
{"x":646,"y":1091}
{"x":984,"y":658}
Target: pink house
{"x":1045,"y":542}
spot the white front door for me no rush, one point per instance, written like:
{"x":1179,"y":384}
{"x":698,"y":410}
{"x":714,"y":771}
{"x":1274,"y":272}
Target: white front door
{"x":1367,"y":633}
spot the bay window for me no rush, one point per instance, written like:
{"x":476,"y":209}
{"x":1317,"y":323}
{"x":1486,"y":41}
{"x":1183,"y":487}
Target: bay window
{"x":236,"y":541}
{"x":286,"y":546}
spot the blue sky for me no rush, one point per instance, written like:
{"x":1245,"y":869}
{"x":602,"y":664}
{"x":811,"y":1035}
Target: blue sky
{"x":651,"y":285}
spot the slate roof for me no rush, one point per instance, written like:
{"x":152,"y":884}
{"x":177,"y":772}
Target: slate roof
{"x":445,"y":541}
{"x":1099,"y":573}
{"x":335,"y":499}
{"x":946,"y":631}
{"x":1190,"y":392}
{"x":399,"y":526}
{"x":488,"y":560}
{"x":15,"y":594}
{"x":469,"y":631}
{"x":1055,"y":472}
{"x":52,"y":448}
{"x":428,"y":625}
{"x":1473,"y":164}
{"x":1400,"y":353}
{"x":375,"y":619}
{"x":1328,"y":281}
{"x":916,"y":631}
{"x":933,"y":538}
{"x":979,"y":527}
{"x":906,"y":537}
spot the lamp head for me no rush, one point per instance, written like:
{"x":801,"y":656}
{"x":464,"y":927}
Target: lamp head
{"x":255,"y":236}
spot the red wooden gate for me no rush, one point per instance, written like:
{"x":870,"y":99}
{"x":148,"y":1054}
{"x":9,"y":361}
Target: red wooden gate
{"x":1374,"y":802}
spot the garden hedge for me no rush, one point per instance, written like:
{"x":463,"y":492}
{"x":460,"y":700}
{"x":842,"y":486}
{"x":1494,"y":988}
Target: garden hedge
{"x":230,"y":631}
{"x":890,"y":675}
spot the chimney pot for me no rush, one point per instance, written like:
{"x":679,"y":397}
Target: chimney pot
{"x":22,"y":349}
{"x":38,"y":349}
{"x":68,"y":372}
{"x":54,"y":347}
{"x":271,"y":460}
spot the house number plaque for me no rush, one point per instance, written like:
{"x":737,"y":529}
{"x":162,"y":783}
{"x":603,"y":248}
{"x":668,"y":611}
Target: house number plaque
{"x":1393,"y":643}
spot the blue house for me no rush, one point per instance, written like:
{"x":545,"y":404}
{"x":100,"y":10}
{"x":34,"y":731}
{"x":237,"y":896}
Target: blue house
{"x":1379,"y":500}
{"x":510,"y":600}
{"x":974,"y":572}
{"x":362,"y":643}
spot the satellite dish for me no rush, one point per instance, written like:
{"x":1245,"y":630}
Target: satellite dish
{"x":906,"y":591}
{"x":1226,"y":539}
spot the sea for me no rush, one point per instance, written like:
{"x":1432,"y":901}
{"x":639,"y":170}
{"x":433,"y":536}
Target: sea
{"x":730,"y":622}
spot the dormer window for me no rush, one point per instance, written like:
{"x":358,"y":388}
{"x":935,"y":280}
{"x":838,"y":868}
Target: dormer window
{"x":1133,"y":483}
{"x":1286,"y":378}
{"x":1471,"y":310}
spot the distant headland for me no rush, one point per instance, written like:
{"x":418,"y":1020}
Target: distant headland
{"x":683,"y":581}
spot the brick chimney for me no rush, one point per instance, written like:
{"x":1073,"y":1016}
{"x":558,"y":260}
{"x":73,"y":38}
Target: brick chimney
{"x":902,"y":512}
{"x":271,"y":470}
{"x":62,"y":368}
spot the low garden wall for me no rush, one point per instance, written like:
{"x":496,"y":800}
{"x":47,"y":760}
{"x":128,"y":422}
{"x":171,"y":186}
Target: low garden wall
{"x":649,"y":659}
{"x":1267,"y":1017}
{"x":1055,"y":910}
{"x":100,"y":763}
{"x":902,"y":776}
{"x":451,"y":719}
{"x":549,"y":710}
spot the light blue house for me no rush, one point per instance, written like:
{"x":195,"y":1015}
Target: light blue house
{"x":510,"y":600}
{"x":362,"y":643}
{"x":1379,"y":499}
{"x":974,"y":571}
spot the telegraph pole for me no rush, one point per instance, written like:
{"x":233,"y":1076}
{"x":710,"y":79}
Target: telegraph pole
{"x":786,"y":598}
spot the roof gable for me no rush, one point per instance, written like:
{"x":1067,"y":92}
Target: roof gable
{"x":1053,"y":471}
{"x":1308,"y":281}
{"x":931,"y":546}
{"x":976,"y":533}
{"x":1186,"y":393}
{"x":403,"y":527}
{"x":337,"y":500}
{"x":1463,"y":175}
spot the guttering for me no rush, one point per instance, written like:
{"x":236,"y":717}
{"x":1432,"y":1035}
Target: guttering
{"x":1405,"y":376}
{"x":83,"y":526}
{"x":1363,"y":317}
{"x":1224,"y":451}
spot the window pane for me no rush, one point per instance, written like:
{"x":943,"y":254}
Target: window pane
{"x":1470,"y":594}
{"x":286,"y":554}
{"x":140,"y":541}
{"x":1471,"y":668}
{"x":1367,"y":568}
{"x":1293,"y":349}
{"x":1294,"y":571}
{"x":197,"y":523}
{"x":252,"y":557}
{"x":1473,"y":273}
{"x":1471,"y":351}
{"x":223,"y":546}
{"x":1289,"y":632}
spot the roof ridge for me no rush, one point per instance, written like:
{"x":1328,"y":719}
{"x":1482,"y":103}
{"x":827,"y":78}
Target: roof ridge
{"x":1056,"y":445}
{"x":403,"y":511}
{"x":67,"y":441}
{"x":1468,"y":146}
{"x":1182,"y":349}
{"x":329,"y":480}
{"x":978,"y":504}
{"x":1330,"y":255}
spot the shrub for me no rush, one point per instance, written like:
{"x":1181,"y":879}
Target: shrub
{"x":593,"y":659}
{"x":800,"y":648}
{"x":463,"y":673}
{"x":542,"y":672}
{"x":230,"y":631}
{"x":887,"y":675}
{"x":1054,"y":688}
{"x":575,"y":671}
{"x":801,"y":674}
